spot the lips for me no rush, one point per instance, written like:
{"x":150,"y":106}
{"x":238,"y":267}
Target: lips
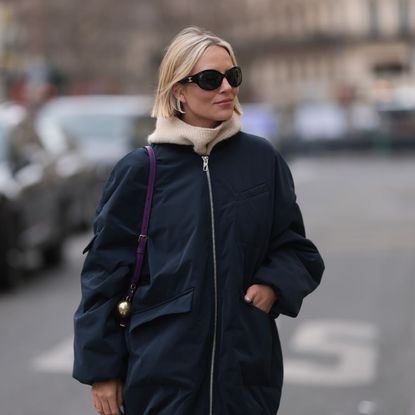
{"x":224,"y":102}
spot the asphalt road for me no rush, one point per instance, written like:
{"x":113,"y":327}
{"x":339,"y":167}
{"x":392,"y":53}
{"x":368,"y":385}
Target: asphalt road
{"x":350,"y":352}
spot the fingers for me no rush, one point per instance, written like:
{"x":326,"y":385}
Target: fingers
{"x":97,"y":404}
{"x":251,"y":294}
{"x":261,"y":296}
{"x":108,"y":408}
{"x":107,"y":397}
{"x":113,"y":407}
{"x":248,"y":298}
{"x":119,"y":395}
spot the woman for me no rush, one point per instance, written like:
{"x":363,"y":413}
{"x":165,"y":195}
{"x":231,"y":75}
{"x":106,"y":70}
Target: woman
{"x":226,"y":255}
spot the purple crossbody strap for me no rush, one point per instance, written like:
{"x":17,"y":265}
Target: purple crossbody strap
{"x":142,"y":239}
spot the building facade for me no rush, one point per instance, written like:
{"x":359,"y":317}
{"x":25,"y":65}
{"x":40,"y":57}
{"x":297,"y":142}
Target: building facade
{"x":328,"y":49}
{"x":291,"y":50}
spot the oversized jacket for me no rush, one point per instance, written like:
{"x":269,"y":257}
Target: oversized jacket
{"x":193,"y":346}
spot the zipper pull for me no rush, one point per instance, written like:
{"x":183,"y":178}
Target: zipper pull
{"x":205,"y":163}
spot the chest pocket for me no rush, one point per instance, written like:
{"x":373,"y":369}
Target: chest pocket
{"x":252,"y":213}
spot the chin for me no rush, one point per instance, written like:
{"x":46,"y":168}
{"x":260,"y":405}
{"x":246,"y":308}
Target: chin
{"x":224,"y":116}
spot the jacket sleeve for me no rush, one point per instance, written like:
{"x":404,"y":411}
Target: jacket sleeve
{"x":100,"y":351}
{"x":293,"y":266}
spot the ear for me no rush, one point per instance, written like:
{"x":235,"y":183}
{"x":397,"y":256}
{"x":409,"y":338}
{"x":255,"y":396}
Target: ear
{"x":177,"y":91}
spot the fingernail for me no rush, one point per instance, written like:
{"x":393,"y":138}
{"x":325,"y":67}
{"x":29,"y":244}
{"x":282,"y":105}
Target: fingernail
{"x":248,"y":299}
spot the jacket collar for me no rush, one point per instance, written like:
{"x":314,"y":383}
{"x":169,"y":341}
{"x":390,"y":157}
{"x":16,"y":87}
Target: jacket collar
{"x":175,"y":131}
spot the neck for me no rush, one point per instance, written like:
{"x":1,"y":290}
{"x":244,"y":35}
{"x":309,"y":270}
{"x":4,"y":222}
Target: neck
{"x":176,"y":131}
{"x":200,"y":123}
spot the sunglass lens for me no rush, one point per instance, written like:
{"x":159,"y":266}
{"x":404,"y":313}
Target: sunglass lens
{"x":210,"y":80}
{"x":234,"y":77}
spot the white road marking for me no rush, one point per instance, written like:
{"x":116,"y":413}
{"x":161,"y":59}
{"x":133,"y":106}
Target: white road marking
{"x":352,"y":345}
{"x":349,"y":347}
{"x":367,"y":407}
{"x":58,"y":359}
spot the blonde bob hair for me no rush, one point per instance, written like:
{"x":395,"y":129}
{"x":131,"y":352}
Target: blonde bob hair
{"x":180,"y":58}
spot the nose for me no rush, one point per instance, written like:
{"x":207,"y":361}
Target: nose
{"x":225,"y":86}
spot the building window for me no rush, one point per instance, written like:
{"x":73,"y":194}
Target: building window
{"x":391,"y":69}
{"x":404,"y":14}
{"x":373,"y":17}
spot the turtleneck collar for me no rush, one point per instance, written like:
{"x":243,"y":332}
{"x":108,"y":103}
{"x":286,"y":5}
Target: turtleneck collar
{"x":175,"y":131}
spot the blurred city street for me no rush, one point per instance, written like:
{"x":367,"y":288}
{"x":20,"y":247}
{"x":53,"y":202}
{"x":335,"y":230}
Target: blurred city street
{"x":330,"y":84}
{"x":351,"y":351}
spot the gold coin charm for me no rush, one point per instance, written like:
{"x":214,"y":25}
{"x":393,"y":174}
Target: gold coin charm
{"x":124,"y":308}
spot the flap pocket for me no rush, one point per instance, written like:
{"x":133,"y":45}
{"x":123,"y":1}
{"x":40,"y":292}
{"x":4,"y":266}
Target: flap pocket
{"x":253,"y":191}
{"x":89,"y":244}
{"x":181,"y":303}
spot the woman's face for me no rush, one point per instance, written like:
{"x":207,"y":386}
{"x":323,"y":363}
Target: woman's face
{"x":209,"y":108}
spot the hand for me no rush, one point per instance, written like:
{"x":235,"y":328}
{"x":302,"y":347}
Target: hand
{"x":107,"y":397}
{"x":261,"y":296}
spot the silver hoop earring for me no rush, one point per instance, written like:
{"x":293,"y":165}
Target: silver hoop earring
{"x":179,"y":106}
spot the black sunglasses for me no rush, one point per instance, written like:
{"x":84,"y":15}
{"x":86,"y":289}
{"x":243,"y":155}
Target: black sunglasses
{"x":211,"y":79}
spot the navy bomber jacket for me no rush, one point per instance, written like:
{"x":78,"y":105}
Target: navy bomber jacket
{"x":215,"y":229}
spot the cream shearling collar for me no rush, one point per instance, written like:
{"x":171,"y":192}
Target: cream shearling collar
{"x":175,"y":131}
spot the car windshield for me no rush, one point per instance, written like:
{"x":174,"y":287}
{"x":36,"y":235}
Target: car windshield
{"x":102,"y":129}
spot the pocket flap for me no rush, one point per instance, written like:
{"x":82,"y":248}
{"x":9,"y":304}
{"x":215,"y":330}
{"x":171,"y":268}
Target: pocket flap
{"x":181,"y":303}
{"x":89,"y":244}
{"x":253,"y":191}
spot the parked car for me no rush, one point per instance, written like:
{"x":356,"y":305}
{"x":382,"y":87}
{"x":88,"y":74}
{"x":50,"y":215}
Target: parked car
{"x":261,"y":119}
{"x":102,"y":128}
{"x":31,"y":213}
{"x":79,"y":189}
{"x":328,"y":126}
{"x":318,"y":122}
{"x":398,"y":125}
